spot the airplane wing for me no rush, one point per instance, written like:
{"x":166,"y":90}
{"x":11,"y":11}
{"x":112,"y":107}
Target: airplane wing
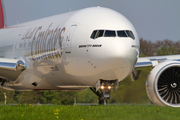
{"x":150,"y":62}
{"x":155,"y":60}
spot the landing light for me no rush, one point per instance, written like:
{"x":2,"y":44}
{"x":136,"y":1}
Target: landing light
{"x":102,"y":87}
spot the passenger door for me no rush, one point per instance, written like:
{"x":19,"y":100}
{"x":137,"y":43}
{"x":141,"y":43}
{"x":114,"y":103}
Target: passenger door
{"x":69,"y":38}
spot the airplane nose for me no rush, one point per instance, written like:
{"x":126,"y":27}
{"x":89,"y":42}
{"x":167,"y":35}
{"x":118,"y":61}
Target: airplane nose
{"x":120,"y":53}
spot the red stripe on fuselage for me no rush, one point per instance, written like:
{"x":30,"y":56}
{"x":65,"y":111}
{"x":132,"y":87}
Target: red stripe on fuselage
{"x":1,"y":15}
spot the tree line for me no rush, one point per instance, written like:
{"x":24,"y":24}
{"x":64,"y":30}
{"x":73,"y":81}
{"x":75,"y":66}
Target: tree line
{"x":159,"y":48}
{"x":128,"y":91}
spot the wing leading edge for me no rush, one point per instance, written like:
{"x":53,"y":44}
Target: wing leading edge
{"x":144,"y":62}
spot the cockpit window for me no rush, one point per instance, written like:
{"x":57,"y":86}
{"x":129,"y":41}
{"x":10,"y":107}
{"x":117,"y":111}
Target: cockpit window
{"x":100,"y":33}
{"x":110,"y":33}
{"x":126,"y":33}
{"x":130,"y":34}
{"x":121,"y":33}
{"x":93,"y":34}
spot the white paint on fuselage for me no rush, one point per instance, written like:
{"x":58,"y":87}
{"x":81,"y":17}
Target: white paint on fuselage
{"x":79,"y":66}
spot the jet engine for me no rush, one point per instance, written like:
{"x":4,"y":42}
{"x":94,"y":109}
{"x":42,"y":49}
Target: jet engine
{"x":163,"y":84}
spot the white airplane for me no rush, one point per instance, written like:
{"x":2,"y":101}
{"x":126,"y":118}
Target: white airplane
{"x":94,"y":47}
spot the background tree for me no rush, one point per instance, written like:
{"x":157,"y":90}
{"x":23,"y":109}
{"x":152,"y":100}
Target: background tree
{"x":28,"y":97}
{"x":167,"y":47}
{"x":147,"y":47}
{"x":86,"y":96}
{"x":58,"y":97}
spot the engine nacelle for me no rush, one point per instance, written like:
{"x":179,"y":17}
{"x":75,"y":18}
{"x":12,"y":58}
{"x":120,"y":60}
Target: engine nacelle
{"x":163,"y":84}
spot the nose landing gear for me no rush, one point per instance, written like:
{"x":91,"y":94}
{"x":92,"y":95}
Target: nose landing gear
{"x":103,"y":90}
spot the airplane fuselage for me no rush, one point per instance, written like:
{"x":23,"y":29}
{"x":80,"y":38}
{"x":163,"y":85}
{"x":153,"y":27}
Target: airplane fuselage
{"x":61,"y":52}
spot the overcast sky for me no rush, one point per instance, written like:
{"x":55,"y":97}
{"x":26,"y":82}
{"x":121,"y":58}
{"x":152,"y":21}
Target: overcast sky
{"x":153,"y":19}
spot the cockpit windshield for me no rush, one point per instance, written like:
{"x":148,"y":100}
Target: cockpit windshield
{"x":93,"y":35}
{"x":100,"y":33}
{"x":121,"y":33}
{"x":112,"y":33}
{"x":130,"y":34}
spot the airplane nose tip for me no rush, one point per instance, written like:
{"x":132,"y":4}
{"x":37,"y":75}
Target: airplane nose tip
{"x":118,"y":54}
{"x":114,"y":54}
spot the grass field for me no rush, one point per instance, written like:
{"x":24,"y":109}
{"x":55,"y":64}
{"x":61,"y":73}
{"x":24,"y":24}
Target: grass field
{"x":109,"y":112}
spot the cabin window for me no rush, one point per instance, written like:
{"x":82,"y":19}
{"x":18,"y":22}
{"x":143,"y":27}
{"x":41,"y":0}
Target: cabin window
{"x":29,"y":44}
{"x":24,"y":44}
{"x":20,"y":45}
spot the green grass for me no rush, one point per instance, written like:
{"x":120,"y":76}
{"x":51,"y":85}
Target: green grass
{"x":110,"y":112}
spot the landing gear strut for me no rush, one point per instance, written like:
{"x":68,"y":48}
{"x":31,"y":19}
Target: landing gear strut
{"x":103,"y":96}
{"x":105,"y":90}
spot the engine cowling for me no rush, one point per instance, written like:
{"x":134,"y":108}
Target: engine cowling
{"x":163,"y":84}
